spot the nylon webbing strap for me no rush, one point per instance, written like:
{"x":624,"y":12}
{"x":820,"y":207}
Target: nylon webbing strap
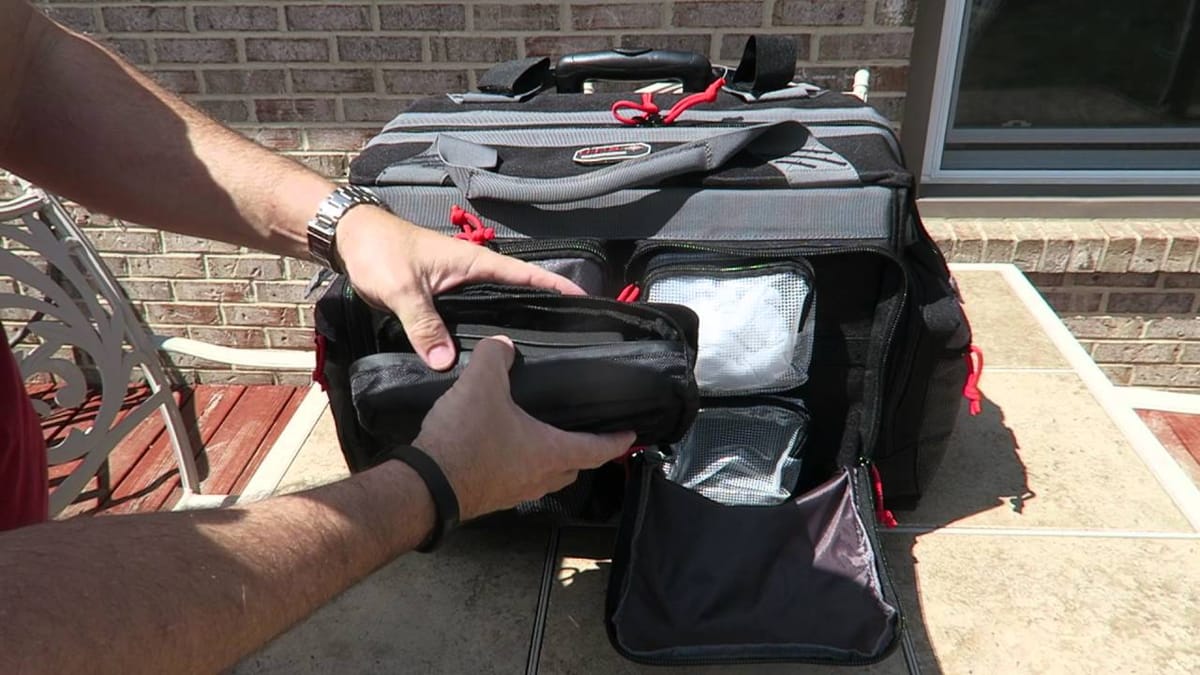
{"x":768,"y":63}
{"x":513,"y":78}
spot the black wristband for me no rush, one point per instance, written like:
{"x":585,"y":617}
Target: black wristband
{"x":445,"y":502}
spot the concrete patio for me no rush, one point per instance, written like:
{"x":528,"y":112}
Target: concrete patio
{"x":1058,"y":537}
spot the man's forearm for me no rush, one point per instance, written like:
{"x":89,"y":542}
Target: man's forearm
{"x":89,"y":126}
{"x":196,"y":591}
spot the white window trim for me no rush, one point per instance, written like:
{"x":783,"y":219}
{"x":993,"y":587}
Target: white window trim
{"x":950,"y":42}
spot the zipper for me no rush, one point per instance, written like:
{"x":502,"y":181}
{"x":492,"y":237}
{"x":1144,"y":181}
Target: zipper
{"x":725,"y":269}
{"x":351,"y":306}
{"x":828,"y":248}
{"x":589,"y":248}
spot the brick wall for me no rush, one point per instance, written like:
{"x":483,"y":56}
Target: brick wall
{"x":315,"y":80}
{"x":1129,"y":290}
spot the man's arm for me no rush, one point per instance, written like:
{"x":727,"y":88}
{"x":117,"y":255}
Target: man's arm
{"x":196,"y":591}
{"x":79,"y":121}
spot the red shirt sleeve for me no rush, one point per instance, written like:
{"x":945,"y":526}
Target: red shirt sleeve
{"x":24,"y":488}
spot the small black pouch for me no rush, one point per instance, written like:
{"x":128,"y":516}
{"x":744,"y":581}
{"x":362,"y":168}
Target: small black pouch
{"x":583,"y":364}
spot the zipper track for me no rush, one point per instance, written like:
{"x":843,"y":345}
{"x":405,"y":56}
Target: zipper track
{"x":514,"y":247}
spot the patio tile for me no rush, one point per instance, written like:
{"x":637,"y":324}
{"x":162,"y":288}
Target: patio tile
{"x":319,"y":461}
{"x":467,"y":609}
{"x":575,"y":641}
{"x":1009,"y":604}
{"x":1003,"y":327}
{"x":1043,"y":454}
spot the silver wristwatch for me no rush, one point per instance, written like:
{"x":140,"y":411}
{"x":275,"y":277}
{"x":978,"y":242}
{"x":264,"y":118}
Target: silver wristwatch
{"x":323,"y":227}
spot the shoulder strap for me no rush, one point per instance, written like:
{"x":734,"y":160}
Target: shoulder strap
{"x":768,"y":63}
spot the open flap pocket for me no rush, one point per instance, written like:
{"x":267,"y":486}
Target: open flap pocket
{"x":699,"y":582}
{"x":583,"y":261}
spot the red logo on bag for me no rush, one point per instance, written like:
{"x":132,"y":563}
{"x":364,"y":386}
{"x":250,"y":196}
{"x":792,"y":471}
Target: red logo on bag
{"x":611,"y":154}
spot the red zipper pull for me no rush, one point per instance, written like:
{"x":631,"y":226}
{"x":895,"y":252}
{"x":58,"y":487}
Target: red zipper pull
{"x":473,"y":229}
{"x":883,"y":515}
{"x":971,"y":391}
{"x":629,"y":294}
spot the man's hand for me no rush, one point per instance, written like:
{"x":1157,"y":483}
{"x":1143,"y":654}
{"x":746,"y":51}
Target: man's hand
{"x":394,"y":264}
{"x":494,"y":454}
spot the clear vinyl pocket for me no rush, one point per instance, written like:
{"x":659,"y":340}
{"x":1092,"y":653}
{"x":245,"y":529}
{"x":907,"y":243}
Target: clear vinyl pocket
{"x":583,"y":261}
{"x":756,"y":317}
{"x":741,"y":451}
{"x":697,"y":582}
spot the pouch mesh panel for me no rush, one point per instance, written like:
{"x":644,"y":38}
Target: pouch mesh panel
{"x":740,"y":456}
{"x":748,"y":329}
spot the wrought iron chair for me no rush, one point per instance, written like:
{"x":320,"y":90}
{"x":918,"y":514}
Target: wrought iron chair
{"x":73,"y":302}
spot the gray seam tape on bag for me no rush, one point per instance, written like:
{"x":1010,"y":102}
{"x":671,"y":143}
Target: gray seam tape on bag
{"x":470,"y":167}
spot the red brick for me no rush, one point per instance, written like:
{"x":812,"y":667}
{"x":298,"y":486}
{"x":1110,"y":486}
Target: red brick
{"x":1173,"y":328}
{"x":244,"y":338}
{"x":289,"y":338}
{"x":236,"y":18}
{"x":895,"y":12}
{"x":339,"y":80}
{"x":1166,"y":376}
{"x":820,"y":13}
{"x":1191,"y":280}
{"x":181,"y":313}
{"x":241,"y":377}
{"x":424,"y":81}
{"x":181,"y":243}
{"x":891,"y":107}
{"x":169,"y":331}
{"x":373,"y":109}
{"x":337,"y":139}
{"x":124,"y":241}
{"x":1118,"y":375}
{"x":196,"y":50}
{"x":280,"y":291}
{"x":603,"y":17}
{"x":557,"y":45}
{"x":261,"y":315}
{"x":244,"y":267}
{"x":245,"y":81}
{"x":1122,"y":242}
{"x":1151,"y":248}
{"x":1151,"y":303}
{"x":213,"y":291}
{"x":178,"y":81}
{"x":327,"y":164}
{"x":1105,"y":327}
{"x":133,"y":51}
{"x":295,"y":109}
{"x":1115,"y":280}
{"x":147,"y":289}
{"x":687,"y":42}
{"x":300,"y":269}
{"x":166,"y":266}
{"x":1189,"y":353}
{"x":376,"y":48}
{"x":1074,"y":302}
{"x":328,"y":17}
{"x":717,"y":14}
{"x":472,"y":49}
{"x":274,"y":137}
{"x":422,"y":17}
{"x":860,"y":47}
{"x":525,"y":18}
{"x":226,"y":110}
{"x":1182,"y":255}
{"x":293,"y":378}
{"x":287,"y":50}
{"x":82,"y":19}
{"x":141,"y":19}
{"x":1134,"y":352}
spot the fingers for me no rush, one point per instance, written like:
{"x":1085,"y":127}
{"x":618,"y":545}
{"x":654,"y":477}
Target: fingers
{"x":424,"y":329}
{"x":491,"y":358}
{"x":502,"y":269}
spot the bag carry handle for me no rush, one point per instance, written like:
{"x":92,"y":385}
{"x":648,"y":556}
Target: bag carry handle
{"x":692,"y":69}
{"x":471,"y":167}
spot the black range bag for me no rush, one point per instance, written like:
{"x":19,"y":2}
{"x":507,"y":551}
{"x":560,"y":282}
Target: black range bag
{"x":832,"y":347}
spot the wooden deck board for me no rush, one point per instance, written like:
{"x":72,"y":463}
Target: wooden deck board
{"x":1176,"y":431}
{"x":231,"y":428}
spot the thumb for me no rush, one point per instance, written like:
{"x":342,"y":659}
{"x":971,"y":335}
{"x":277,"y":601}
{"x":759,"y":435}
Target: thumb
{"x":424,"y":329}
{"x":593,"y":450}
{"x":491,"y":358}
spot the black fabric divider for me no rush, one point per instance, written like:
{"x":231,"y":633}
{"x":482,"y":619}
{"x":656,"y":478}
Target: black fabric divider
{"x":768,"y":63}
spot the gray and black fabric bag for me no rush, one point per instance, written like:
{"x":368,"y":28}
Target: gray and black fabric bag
{"x":831,"y":344}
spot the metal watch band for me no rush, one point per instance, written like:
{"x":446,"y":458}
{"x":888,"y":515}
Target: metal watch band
{"x":445,"y":501}
{"x":322,"y":229}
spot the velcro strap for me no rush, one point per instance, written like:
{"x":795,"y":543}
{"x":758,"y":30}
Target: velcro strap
{"x":768,"y":63}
